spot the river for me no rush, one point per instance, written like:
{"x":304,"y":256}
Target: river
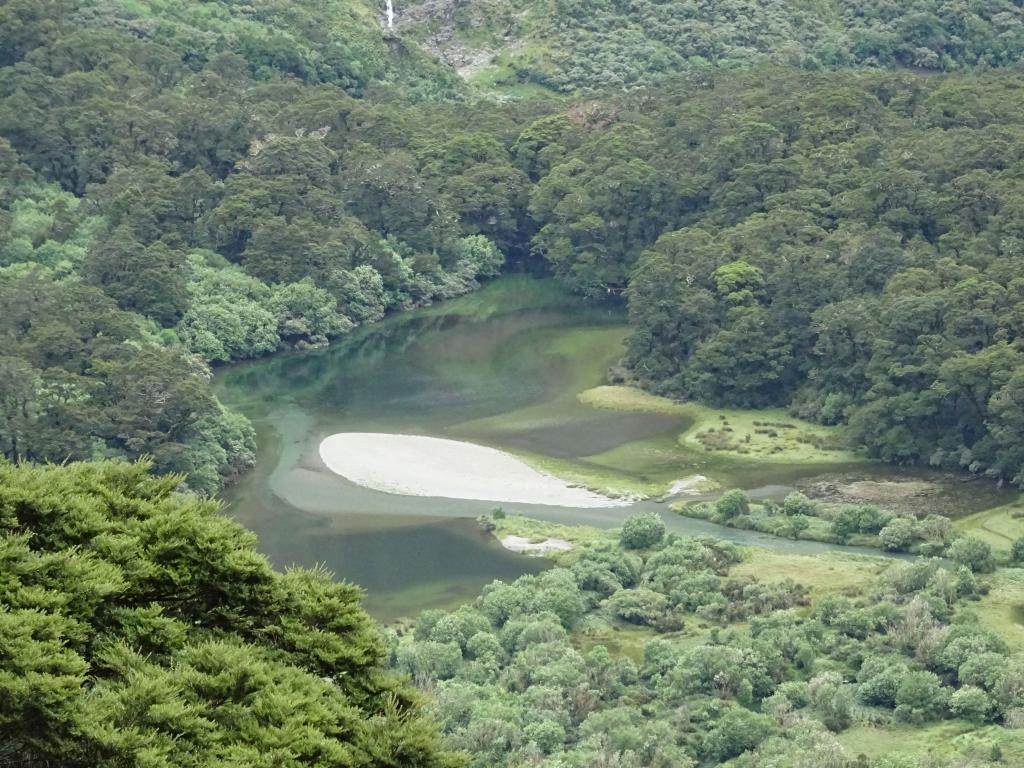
{"x":500,"y":367}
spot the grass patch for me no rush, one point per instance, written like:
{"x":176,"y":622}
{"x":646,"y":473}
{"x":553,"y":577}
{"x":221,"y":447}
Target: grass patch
{"x":821,"y":574}
{"x":1002,"y":609}
{"x":630,"y":400}
{"x":943,"y":739}
{"x":768,"y":435}
{"x":598,"y":478}
{"x":540,"y":530}
{"x":717,"y":442}
{"x":765,"y":435}
{"x":1000,"y":526}
{"x":621,"y":639}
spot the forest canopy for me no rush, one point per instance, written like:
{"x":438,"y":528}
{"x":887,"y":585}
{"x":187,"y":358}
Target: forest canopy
{"x":209,"y":183}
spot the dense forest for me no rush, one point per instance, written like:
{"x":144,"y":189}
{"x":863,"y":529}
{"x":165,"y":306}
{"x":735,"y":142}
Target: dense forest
{"x":809,"y":205}
{"x":843,"y":244}
{"x":174,"y":196}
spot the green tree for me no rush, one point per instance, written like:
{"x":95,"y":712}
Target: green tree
{"x":970,"y":703}
{"x":973,"y":553}
{"x":732,"y":504}
{"x":736,"y":732}
{"x":920,"y":697}
{"x":642,"y":531}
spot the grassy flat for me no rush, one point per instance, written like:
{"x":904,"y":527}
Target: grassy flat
{"x":761,"y":435}
{"x":598,"y":478}
{"x":822,"y":574}
{"x":1002,"y":609}
{"x":998,"y":526}
{"x":631,"y":400}
{"x":765,"y":435}
{"x":539,"y":530}
{"x":946,"y":738}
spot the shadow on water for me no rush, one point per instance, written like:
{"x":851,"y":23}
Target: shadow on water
{"x":500,"y":367}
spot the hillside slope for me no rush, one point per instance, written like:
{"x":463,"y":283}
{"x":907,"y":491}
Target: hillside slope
{"x":568,"y":45}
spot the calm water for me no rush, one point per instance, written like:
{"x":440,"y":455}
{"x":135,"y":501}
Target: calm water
{"x":501,"y":367}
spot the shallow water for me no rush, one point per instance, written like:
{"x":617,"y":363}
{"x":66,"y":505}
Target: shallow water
{"x":501,"y":367}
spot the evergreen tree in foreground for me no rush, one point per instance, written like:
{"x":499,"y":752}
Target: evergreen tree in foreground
{"x":139,"y":627}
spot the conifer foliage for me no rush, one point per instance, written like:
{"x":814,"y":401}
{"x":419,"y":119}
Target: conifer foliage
{"x":140,"y":627}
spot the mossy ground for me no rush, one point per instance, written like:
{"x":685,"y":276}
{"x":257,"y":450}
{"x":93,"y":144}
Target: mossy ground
{"x":765,"y":435}
{"x":598,"y":478}
{"x":721,"y":444}
{"x":630,"y":399}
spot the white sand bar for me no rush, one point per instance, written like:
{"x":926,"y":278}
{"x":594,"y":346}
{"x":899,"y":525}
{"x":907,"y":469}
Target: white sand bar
{"x":413,"y":465}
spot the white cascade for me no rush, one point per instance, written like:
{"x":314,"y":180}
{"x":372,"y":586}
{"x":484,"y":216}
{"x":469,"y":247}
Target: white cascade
{"x":391,"y":14}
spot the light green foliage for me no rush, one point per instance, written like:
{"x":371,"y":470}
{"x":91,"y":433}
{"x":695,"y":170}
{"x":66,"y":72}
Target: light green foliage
{"x":229,"y":317}
{"x":832,"y":700}
{"x":732,"y":504}
{"x":482,"y":256}
{"x":306,"y":313}
{"x":973,"y":553}
{"x":920,"y":697}
{"x":764,"y":686}
{"x":797,"y":503}
{"x":642,"y":531}
{"x":898,"y":535}
{"x":642,"y":606}
{"x":140,"y":626}
{"x":46,"y":226}
{"x":235,"y":316}
{"x":739,"y":282}
{"x":970,"y":703}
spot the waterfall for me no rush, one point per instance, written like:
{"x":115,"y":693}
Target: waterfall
{"x":391,"y":14}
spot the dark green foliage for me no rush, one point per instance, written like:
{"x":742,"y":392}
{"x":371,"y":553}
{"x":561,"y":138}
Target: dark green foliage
{"x":186,"y":179}
{"x":82,"y":378}
{"x":873,"y":288}
{"x":140,"y":626}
